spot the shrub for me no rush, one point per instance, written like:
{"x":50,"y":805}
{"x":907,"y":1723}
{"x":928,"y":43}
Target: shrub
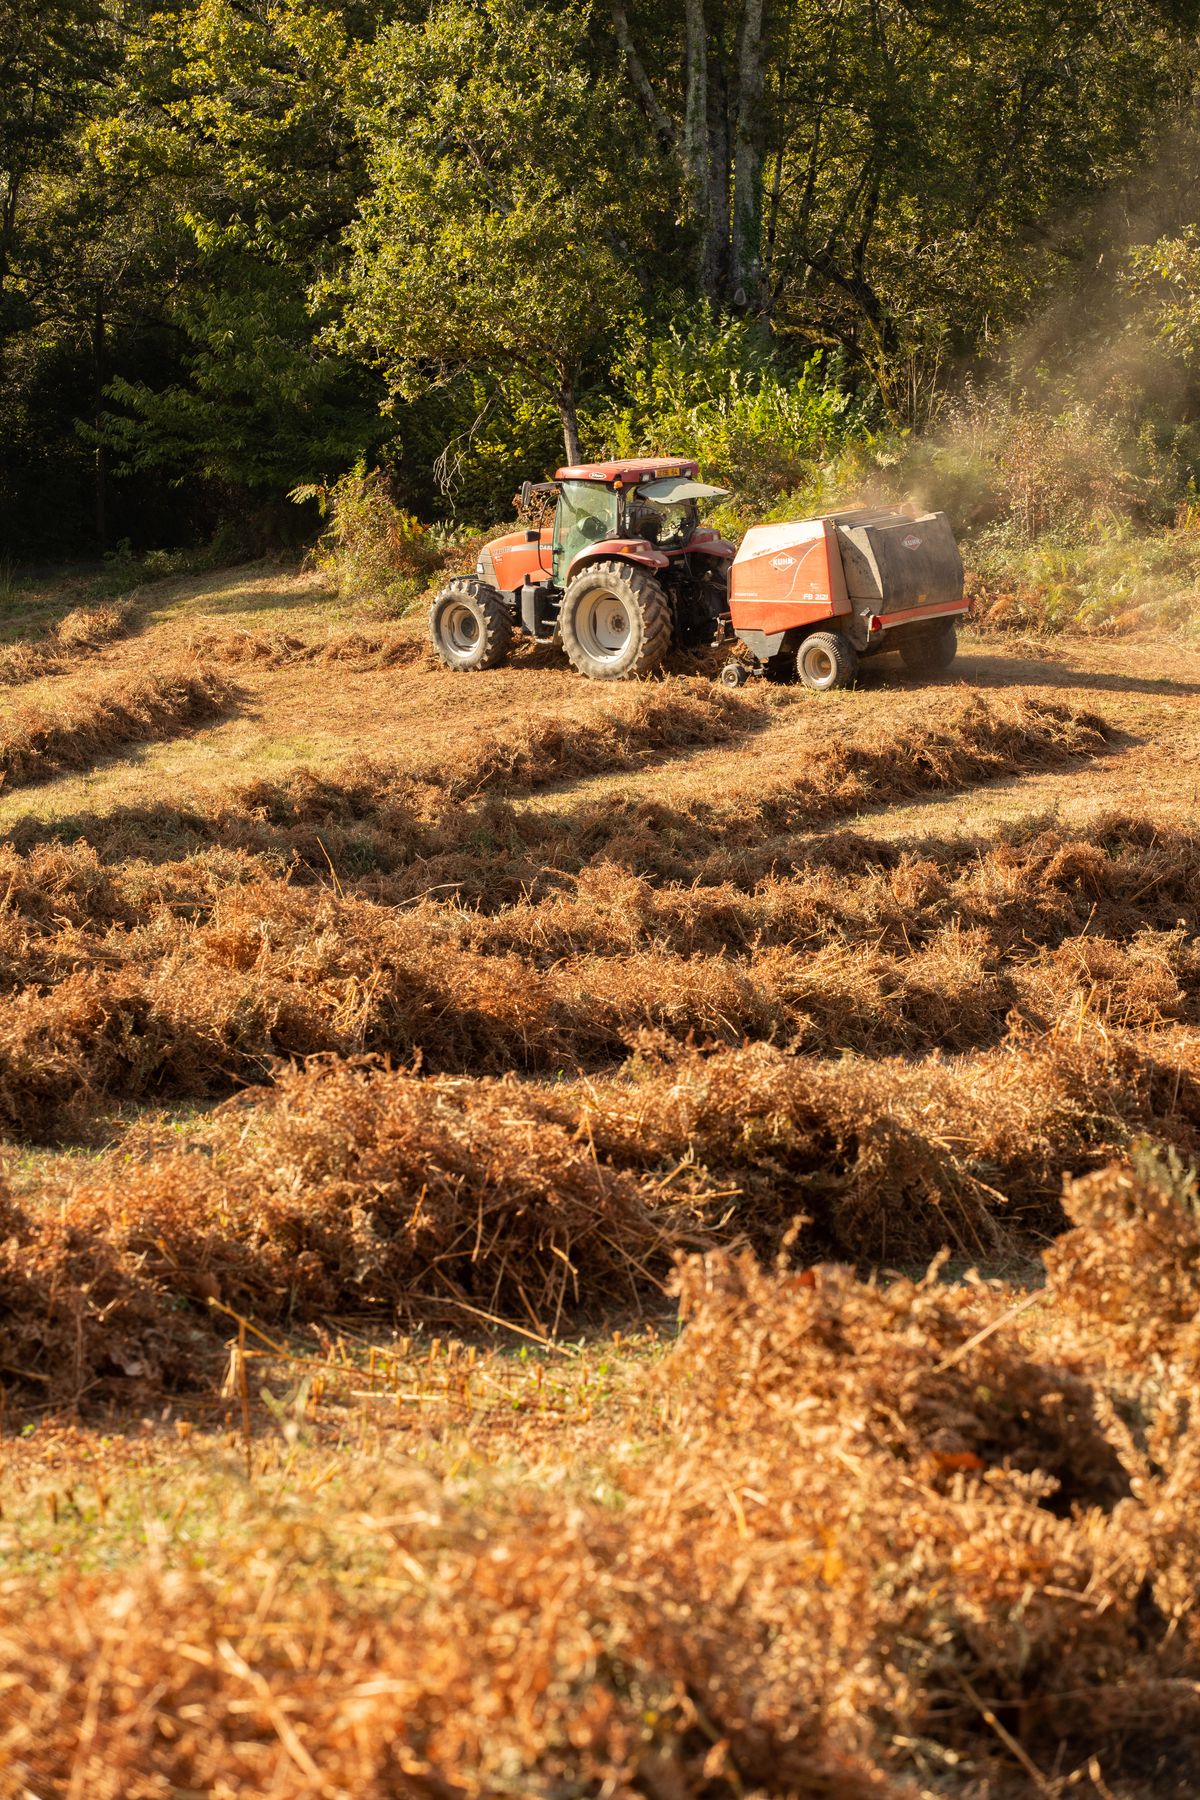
{"x":715,"y":389}
{"x":373,"y":550}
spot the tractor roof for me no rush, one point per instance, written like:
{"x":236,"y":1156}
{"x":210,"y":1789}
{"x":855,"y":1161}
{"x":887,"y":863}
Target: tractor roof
{"x":630,"y":472}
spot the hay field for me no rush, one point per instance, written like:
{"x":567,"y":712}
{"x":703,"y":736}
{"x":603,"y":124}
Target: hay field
{"x":561,"y":1242}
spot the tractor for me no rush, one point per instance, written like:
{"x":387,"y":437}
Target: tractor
{"x":626,"y":572}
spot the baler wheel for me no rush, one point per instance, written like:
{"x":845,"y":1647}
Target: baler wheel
{"x":826,"y":660}
{"x":615,"y":621}
{"x":470,"y":625}
{"x":930,"y":652}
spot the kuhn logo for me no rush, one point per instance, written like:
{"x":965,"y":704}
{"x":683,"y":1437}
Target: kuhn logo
{"x":912,"y":543}
{"x":782,"y":562}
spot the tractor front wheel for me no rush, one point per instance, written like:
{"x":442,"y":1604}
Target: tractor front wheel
{"x":615,"y":621}
{"x":470,"y":626}
{"x":826,"y":660}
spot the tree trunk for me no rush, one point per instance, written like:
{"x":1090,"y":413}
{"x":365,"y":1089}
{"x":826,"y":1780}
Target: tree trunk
{"x":697,"y":153}
{"x":718,"y":174}
{"x":570,"y":418}
{"x":745,"y":274}
{"x":100,"y":470}
{"x":642,"y":85}
{"x":702,"y":148}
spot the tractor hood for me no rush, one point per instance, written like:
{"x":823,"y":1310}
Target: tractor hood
{"x":672,"y":489}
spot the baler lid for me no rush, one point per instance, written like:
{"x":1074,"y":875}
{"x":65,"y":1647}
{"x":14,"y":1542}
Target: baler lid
{"x":673,"y":489}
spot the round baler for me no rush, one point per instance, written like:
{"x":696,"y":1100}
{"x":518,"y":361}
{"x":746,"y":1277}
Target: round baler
{"x":809,"y":599}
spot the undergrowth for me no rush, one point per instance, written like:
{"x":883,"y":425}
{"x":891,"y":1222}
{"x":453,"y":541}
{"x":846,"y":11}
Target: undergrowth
{"x":846,"y":1540}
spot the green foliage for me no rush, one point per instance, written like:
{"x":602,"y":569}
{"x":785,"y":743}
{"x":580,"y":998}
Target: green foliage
{"x":488,"y":237}
{"x":258,"y":410}
{"x":229,"y":231}
{"x":1115,"y":579}
{"x":1067,"y":470}
{"x":1165,"y":275}
{"x":714,"y":389}
{"x":373,"y":550}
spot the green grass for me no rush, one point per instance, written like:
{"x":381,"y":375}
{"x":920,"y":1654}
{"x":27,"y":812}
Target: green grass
{"x":336,"y":1445}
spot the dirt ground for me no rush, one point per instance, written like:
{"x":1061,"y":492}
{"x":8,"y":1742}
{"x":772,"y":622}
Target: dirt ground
{"x":262,"y":1536}
{"x":318,"y":715}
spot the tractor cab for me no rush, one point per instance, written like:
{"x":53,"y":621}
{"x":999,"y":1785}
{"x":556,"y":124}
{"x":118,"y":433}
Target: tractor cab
{"x":634,"y":507}
{"x":623,"y":572}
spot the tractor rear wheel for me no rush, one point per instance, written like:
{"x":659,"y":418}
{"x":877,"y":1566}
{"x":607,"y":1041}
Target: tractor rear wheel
{"x":930,"y":651}
{"x":470,"y":625}
{"x":826,"y":660}
{"x":615,"y":621}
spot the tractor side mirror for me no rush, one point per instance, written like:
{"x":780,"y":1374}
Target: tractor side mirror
{"x":526,"y":490}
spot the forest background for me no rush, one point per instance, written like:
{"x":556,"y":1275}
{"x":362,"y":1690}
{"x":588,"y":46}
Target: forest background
{"x":254,"y":253}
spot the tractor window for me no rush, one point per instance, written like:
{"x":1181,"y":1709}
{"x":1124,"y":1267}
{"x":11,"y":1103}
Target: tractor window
{"x":666,"y":526}
{"x":586,"y":514}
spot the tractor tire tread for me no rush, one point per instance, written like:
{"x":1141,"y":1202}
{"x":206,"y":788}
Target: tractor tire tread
{"x":840,"y":649}
{"x":650,"y":599}
{"x":929,"y":652}
{"x":496,"y":619}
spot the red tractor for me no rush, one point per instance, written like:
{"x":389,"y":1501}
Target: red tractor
{"x":626,"y":572}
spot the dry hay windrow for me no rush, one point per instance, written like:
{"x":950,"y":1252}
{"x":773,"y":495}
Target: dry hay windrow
{"x":401,"y":833}
{"x":968,"y":739}
{"x":1115,"y":877}
{"x":276,"y":649}
{"x":860,"y":1535}
{"x":355,"y":1190}
{"x":110,"y":712}
{"x":634,"y":726}
{"x":187,"y":979}
{"x":78,"y":634}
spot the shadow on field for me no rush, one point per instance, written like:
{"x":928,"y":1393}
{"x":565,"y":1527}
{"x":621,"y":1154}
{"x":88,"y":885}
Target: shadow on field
{"x":1002,"y":672}
{"x":273,"y":599}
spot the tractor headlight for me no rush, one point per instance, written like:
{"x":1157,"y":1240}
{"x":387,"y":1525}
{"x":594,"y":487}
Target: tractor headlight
{"x":479,"y":567}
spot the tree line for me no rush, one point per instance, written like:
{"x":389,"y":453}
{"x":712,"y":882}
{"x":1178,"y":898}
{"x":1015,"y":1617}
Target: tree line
{"x":245,"y":243}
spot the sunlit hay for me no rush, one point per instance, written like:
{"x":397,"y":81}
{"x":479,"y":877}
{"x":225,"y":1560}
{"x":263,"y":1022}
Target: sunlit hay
{"x":1152,"y":981}
{"x":86,"y":627}
{"x":915,"y":1370}
{"x":555,"y":1651}
{"x":857,"y":1533}
{"x":847,"y":888}
{"x":358,"y":1189}
{"x":888,"y":1159}
{"x":275,"y":649}
{"x":57,"y":885}
{"x":392,"y":832}
{"x":974,"y":740}
{"x":842,"y":889}
{"x":965,"y":1460}
{"x":1128,"y":1270}
{"x":270,"y":648}
{"x":345,"y":1192}
{"x":77,"y":634}
{"x":193,"y":977}
{"x":78,"y":1316}
{"x":110,"y":712}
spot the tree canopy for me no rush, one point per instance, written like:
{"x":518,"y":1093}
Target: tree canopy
{"x":242,"y":245}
